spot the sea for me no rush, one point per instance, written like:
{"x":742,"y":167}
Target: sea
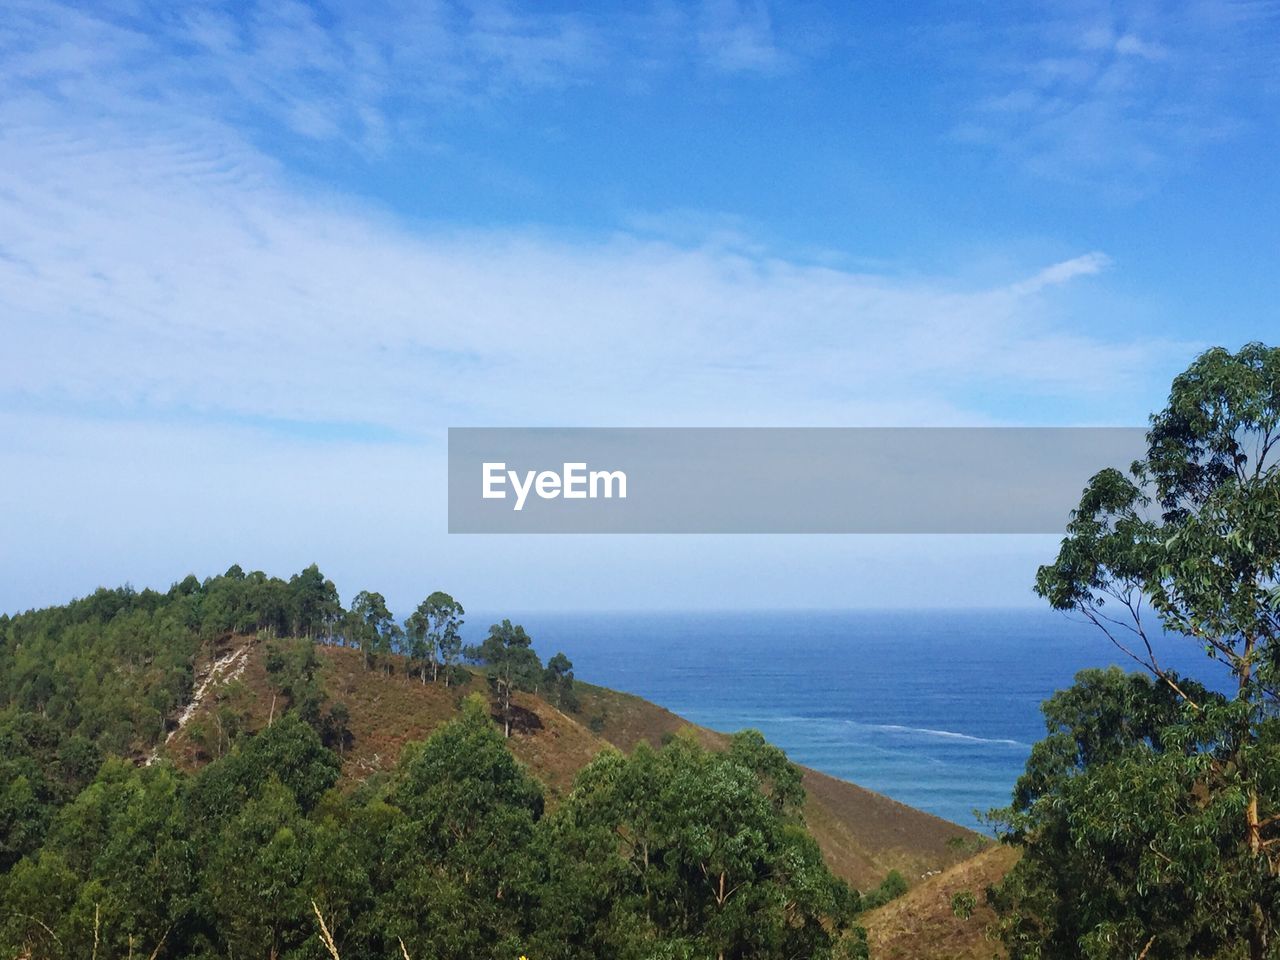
{"x":935,"y":708}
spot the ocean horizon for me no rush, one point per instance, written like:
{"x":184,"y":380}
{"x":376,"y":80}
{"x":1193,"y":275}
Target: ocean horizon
{"x":935,"y":708}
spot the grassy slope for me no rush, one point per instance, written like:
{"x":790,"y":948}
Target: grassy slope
{"x":862,"y":834}
{"x":921,"y":922}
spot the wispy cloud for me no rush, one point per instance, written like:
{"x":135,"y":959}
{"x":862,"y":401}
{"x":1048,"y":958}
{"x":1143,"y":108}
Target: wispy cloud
{"x":322,"y":71}
{"x":182,"y":274}
{"x":185,"y":322}
{"x":1085,"y":265}
{"x":155,"y":261}
{"x":1107,"y":95}
{"x":738,"y":36}
{"x":354,"y":72}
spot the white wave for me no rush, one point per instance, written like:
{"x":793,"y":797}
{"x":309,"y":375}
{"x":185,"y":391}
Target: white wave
{"x":945,"y":734}
{"x":740,"y":721}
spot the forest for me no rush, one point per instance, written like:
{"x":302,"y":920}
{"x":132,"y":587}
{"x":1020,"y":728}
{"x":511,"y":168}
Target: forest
{"x":675,"y":851}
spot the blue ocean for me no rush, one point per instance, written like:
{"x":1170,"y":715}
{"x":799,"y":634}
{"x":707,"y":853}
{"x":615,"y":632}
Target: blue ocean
{"x":937,"y":709}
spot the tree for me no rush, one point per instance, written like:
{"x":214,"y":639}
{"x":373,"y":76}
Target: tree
{"x":292,"y":666}
{"x":688,"y":852}
{"x":1130,"y":846}
{"x":289,"y":750}
{"x":254,"y":882}
{"x":335,"y":728}
{"x":1189,"y":538}
{"x":434,"y":632}
{"x":422,"y":651}
{"x":371,"y":625}
{"x":513,"y":665}
{"x":557,"y":679}
{"x":121,"y":863}
{"x":313,"y":602}
{"x":459,"y":857}
{"x":449,"y":640}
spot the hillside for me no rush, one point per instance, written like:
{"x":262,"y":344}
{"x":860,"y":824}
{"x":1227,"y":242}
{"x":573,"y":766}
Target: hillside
{"x":862,"y":834}
{"x":922,"y":923}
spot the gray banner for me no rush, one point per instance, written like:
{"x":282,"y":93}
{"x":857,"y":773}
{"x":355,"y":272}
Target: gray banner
{"x":776,"y":480}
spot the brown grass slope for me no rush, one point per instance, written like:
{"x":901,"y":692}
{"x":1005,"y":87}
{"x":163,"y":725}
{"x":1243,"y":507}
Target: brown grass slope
{"x":922,"y":924}
{"x":863,"y":835}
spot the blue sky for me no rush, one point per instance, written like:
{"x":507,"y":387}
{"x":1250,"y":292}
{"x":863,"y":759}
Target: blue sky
{"x":256,"y":258}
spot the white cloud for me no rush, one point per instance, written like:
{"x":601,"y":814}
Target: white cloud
{"x":181,"y":275}
{"x":358,"y":73}
{"x":737,"y":36}
{"x":155,"y":263}
{"x":175,"y":311}
{"x":1083,"y":266}
{"x":1111,"y":96}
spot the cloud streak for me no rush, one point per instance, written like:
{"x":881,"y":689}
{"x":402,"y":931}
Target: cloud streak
{"x":181,"y":275}
{"x":157,"y":263}
{"x":209,"y":359}
{"x":1111,"y":96}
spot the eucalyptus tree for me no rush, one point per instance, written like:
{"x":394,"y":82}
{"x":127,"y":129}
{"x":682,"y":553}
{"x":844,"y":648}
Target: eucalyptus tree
{"x":313,"y":601}
{"x":1168,"y":788}
{"x":372,"y":625}
{"x":513,"y":665}
{"x":558,"y":681}
{"x":457,"y":862}
{"x":688,"y":852}
{"x":434,"y":632}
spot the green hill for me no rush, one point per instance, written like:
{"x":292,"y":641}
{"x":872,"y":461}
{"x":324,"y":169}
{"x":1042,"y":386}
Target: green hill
{"x":863,"y":835}
{"x":194,"y":774}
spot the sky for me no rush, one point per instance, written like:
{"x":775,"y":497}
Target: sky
{"x":256,"y":258}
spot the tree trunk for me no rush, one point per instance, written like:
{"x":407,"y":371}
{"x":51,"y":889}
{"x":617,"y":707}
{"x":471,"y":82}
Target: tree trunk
{"x":506,"y":709}
{"x":1258,"y":930}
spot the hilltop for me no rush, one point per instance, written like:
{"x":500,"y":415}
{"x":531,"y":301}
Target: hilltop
{"x":251,"y":728}
{"x":862,"y":834}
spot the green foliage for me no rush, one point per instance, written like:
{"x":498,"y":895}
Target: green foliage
{"x":225,"y":720}
{"x":116,"y":666}
{"x":891,"y":887}
{"x":1129,"y":814}
{"x":1148,"y":818}
{"x":293,"y":666}
{"x":685,"y":852}
{"x":369,"y":626}
{"x":41,"y":768}
{"x":462,"y":846}
{"x":557,"y":683}
{"x":253,"y":883}
{"x":289,"y":751}
{"x":313,"y":603}
{"x":118,"y":851}
{"x":963,"y":903}
{"x":52,"y":663}
{"x":676,"y":853}
{"x":435,"y":638}
{"x":512,"y":665}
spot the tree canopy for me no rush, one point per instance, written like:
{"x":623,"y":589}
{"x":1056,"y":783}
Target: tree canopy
{"x":1150,"y":817}
{"x":108,"y":850}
